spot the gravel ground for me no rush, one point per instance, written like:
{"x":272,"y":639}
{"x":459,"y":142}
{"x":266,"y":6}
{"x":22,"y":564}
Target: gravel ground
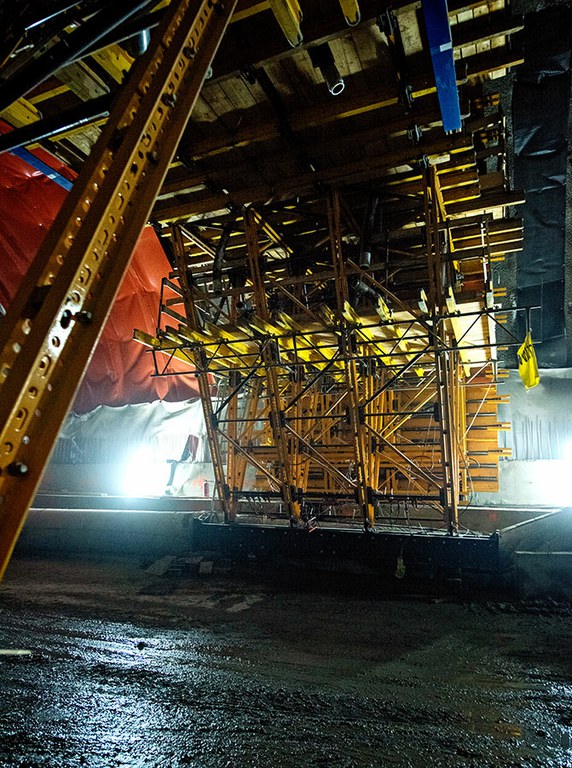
{"x":120,"y":668}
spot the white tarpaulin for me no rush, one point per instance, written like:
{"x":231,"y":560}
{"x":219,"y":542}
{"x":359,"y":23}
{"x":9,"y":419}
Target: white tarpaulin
{"x":106,"y":433}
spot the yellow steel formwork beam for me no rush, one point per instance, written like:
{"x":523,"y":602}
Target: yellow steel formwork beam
{"x":232,"y":463}
{"x":289,"y":15}
{"x":237,"y":462}
{"x":55,"y":319}
{"x":445,"y":364}
{"x":364,"y":481}
{"x":351,"y":11}
{"x":269,"y":355}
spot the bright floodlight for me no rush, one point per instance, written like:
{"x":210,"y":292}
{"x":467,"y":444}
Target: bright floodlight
{"x":143,"y":475}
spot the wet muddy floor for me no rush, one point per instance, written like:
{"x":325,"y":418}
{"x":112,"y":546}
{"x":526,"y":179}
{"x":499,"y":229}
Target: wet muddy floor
{"x":103,"y":664}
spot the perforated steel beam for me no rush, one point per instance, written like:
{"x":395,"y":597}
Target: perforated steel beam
{"x":55,"y":320}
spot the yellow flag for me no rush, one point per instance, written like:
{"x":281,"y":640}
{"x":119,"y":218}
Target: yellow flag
{"x":527,"y":365}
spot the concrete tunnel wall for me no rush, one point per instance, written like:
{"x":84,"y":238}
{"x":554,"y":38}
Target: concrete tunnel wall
{"x":539,"y":551}
{"x":134,"y":533}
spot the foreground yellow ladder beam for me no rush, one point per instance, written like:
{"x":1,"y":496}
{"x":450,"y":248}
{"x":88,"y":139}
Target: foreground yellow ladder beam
{"x":55,"y":320}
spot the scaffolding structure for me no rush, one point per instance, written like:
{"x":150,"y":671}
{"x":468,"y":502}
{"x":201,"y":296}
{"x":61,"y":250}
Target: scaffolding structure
{"x":325,"y":395}
{"x":340,"y":374}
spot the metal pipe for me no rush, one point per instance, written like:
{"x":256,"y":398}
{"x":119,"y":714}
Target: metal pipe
{"x":367,"y":231}
{"x":49,"y":15}
{"x":67,"y":50}
{"x":60,"y":123}
{"x":146,"y":22}
{"x":323,"y":59}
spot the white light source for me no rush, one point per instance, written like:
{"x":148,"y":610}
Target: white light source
{"x":553,"y":478}
{"x":143,"y":475}
{"x":567,"y":453}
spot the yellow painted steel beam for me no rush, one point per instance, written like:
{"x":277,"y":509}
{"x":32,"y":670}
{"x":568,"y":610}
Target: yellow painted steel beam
{"x":269,"y":354}
{"x":427,"y":390}
{"x":351,"y":11}
{"x":359,"y":439}
{"x":231,"y":452}
{"x":201,"y":364}
{"x":115,"y":61}
{"x":246,"y":9}
{"x":168,"y":348}
{"x":50,"y":94}
{"x":289,"y":16}
{"x":407,"y":465}
{"x":57,"y":315}
{"x":21,"y":113}
{"x":437,"y":287}
{"x":459,"y":327}
{"x":319,"y":458}
{"x":237,"y":461}
{"x":247,"y":453}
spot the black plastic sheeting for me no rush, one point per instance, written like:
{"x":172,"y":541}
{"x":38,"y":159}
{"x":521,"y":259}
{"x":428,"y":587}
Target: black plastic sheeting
{"x":541,"y":104}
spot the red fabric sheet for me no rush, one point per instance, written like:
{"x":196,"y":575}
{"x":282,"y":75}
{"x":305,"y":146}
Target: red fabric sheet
{"x":120,"y":370}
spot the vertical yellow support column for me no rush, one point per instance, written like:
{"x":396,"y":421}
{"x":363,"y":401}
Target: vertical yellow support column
{"x":359,"y":436}
{"x":270,"y":358}
{"x":236,"y":466}
{"x":443,"y":357}
{"x":202,"y":373}
{"x":231,"y":451}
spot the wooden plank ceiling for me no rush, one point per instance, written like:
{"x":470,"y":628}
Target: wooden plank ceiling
{"x":267,"y":130}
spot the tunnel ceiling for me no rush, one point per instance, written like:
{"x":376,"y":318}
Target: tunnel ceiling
{"x":287,"y":114}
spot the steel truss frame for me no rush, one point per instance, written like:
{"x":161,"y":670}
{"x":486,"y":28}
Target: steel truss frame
{"x":325,"y":406}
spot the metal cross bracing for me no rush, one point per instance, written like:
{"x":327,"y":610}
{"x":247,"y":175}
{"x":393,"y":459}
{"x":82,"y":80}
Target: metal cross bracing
{"x":336,"y":399}
{"x":55,"y":320}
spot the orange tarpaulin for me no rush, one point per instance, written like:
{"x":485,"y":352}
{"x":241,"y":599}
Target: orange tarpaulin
{"x":120,"y":371}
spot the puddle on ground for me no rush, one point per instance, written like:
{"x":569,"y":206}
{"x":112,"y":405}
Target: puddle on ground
{"x":303,"y":681}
